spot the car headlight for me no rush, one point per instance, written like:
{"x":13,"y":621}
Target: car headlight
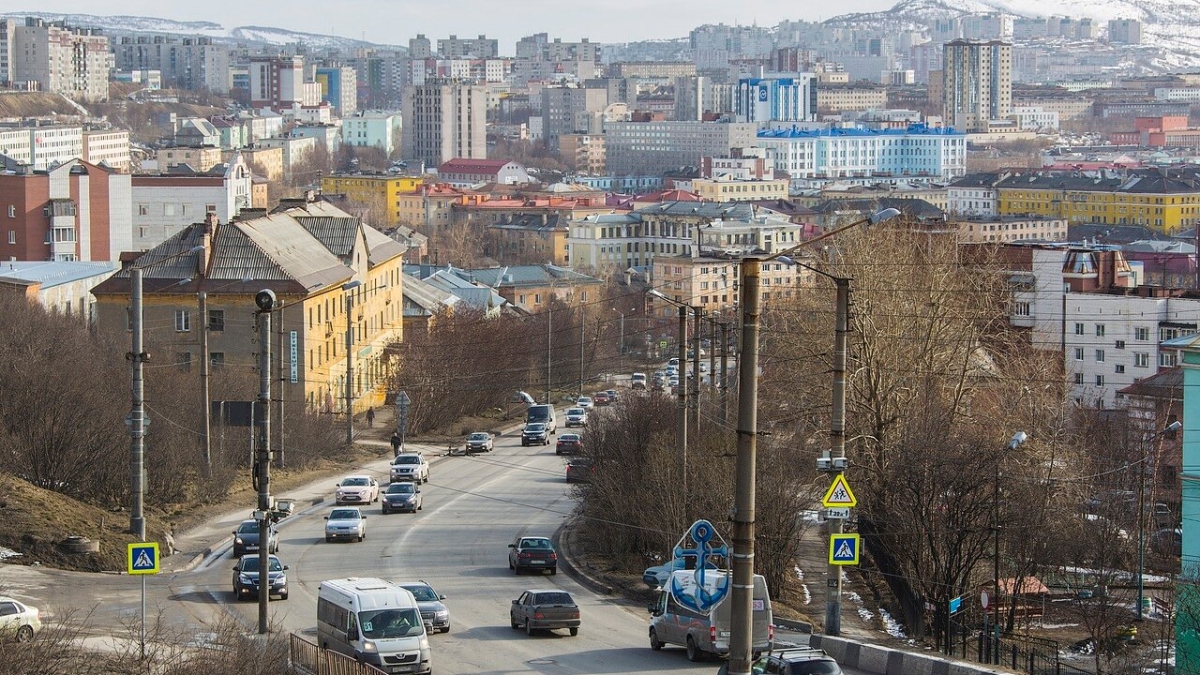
{"x":245,"y":579}
{"x":368,"y":646}
{"x":442,"y":614}
{"x":238,"y":541}
{"x":424,"y":644}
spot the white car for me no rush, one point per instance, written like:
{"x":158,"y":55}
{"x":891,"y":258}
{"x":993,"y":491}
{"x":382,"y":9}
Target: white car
{"x":346,"y":523}
{"x":18,"y":620}
{"x":357,"y":490}
{"x":576,"y":417}
{"x":585,"y":402}
{"x":410,"y":466}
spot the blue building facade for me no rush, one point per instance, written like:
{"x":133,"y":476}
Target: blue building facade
{"x":918,"y":151}
{"x":781,"y":99}
{"x":1187,"y":590}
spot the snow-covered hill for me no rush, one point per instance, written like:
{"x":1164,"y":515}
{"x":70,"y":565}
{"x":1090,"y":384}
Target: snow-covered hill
{"x":132,"y":25}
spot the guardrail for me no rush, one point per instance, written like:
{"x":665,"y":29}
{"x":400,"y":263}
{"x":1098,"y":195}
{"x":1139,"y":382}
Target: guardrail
{"x":307,"y":657}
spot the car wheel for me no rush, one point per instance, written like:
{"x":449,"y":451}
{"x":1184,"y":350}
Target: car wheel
{"x":510,"y":565}
{"x":524,"y":444}
{"x":384,"y":510}
{"x":693,"y":652}
{"x":654,"y":642}
{"x":24,"y":633}
{"x":362,"y":536}
{"x":283,"y":595}
{"x":328,"y":539}
{"x":528,"y":627}
{"x":513,"y":622}
{"x":420,"y":506}
{"x":446,"y":629}
{"x":553,"y":571}
{"x":574,"y":632}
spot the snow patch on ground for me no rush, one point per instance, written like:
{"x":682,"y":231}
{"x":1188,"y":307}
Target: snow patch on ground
{"x":803,"y":586}
{"x":890,"y":625}
{"x":7,"y":553}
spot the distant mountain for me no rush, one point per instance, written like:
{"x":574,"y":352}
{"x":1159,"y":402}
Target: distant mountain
{"x":1170,"y":26}
{"x":250,"y":35}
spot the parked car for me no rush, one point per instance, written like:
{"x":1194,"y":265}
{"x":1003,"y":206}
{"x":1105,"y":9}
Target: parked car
{"x":357,"y":489}
{"x":434,"y":613}
{"x":656,"y":576}
{"x":673,"y":363}
{"x":601,"y":398}
{"x":568,"y":444}
{"x":402,"y":497}
{"x":245,"y":538}
{"x":579,"y":470}
{"x":18,"y":621}
{"x":410,"y":466}
{"x":480,"y":441}
{"x":637,"y":381}
{"x":798,"y":661}
{"x":246,"y":576}
{"x":585,"y":402}
{"x":547,"y":609}
{"x":532,"y":553}
{"x":576,"y":417}
{"x":535,"y":433}
{"x":346,"y":523}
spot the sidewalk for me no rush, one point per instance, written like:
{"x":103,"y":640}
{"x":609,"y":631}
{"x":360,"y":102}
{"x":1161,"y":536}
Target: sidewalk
{"x":812,"y":573}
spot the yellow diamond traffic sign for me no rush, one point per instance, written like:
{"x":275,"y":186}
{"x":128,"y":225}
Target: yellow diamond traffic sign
{"x":143,"y":558}
{"x":839,"y":494}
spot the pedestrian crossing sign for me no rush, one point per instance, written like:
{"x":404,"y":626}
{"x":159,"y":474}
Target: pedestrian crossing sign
{"x":839,"y":494}
{"x":143,"y":558}
{"x":843,"y":549}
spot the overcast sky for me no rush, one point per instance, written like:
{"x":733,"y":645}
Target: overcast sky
{"x":395,"y":21}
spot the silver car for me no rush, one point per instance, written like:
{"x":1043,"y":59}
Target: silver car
{"x":409,"y":466}
{"x":345,"y":523}
{"x":434,"y":613}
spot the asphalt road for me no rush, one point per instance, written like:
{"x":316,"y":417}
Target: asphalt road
{"x":473,"y":508}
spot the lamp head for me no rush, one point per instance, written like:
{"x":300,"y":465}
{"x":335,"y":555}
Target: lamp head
{"x":1017,"y":439}
{"x":880,"y":216}
{"x":265,"y":299}
{"x":1173,"y":427}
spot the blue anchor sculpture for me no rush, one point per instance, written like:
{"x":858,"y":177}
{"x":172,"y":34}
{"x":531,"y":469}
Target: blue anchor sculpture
{"x":708,"y":544}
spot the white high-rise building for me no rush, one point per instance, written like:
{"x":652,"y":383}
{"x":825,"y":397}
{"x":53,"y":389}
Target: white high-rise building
{"x":976,"y":83}
{"x":54,"y":57}
{"x":444,"y":120}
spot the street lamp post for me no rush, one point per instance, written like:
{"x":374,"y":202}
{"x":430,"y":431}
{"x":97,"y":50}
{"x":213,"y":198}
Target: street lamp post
{"x":741,"y":627}
{"x":1141,"y":585}
{"x":1013,"y":443}
{"x":348,"y":289}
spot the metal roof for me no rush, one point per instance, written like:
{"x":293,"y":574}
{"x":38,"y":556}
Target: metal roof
{"x":50,"y":274}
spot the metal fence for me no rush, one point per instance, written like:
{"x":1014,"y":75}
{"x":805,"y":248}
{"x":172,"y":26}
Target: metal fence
{"x":1022,"y":653}
{"x":307,"y":657}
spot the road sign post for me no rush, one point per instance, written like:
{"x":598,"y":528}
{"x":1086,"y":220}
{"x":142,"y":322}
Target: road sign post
{"x":141,"y":560}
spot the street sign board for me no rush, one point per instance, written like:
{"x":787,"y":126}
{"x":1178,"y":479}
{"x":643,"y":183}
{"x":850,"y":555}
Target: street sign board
{"x":839,"y":494}
{"x":955,"y":605}
{"x":142,"y":558}
{"x":843,"y":549}
{"x":293,"y":344}
{"x":837,"y":513}
{"x":984,"y":599}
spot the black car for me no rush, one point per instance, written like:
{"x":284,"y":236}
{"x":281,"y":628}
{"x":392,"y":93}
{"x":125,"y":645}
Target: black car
{"x":245,"y":539}
{"x":535,"y":432}
{"x":402,"y":497}
{"x":799,"y":661}
{"x":245,"y":577}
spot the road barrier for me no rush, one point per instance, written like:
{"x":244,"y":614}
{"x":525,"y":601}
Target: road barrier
{"x":309,"y":658}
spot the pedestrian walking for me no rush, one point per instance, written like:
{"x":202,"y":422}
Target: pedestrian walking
{"x":396,"y":443}
{"x":370,"y":417}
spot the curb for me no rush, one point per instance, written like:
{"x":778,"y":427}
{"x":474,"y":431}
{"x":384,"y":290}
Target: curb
{"x":796,"y":626}
{"x":561,"y":539}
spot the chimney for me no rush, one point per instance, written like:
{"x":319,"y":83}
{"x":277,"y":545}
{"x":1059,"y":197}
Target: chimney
{"x":206,"y":237}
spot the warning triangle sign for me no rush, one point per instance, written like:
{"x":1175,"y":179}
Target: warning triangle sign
{"x":839,"y":494}
{"x":143,"y":561}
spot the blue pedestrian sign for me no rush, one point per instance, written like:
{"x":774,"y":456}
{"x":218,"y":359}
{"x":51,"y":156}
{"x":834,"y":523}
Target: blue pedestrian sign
{"x":843,"y":549}
{"x":143,"y":558}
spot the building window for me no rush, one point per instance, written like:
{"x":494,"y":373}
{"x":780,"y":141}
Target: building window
{"x":1099,"y":380}
{"x":1079,"y":329}
{"x":1078,"y":378}
{"x":1120,"y":344}
{"x":1141,"y":333}
{"x":12,"y":237}
{"x":216,"y":359}
{"x":183,"y":321}
{"x":1021,"y":309}
{"x":1099,"y":330}
{"x":1168,"y":359}
{"x":1099,"y":356}
{"x":143,"y":209}
{"x":12,"y":211}
{"x":184,"y":360}
{"x":1079,"y":353}
{"x":216,"y":320}
{"x":210,"y":208}
{"x":1120,"y":368}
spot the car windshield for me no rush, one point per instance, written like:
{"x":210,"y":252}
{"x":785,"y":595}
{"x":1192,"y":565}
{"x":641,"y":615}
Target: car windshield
{"x":553,"y":598}
{"x":568,"y":438}
{"x":401,"y":488}
{"x":407,"y":459}
{"x":344,"y":514}
{"x":535,"y":427}
{"x":248,"y":527}
{"x":250,"y":564}
{"x":422,"y":593}
{"x":479,"y":437}
{"x":585,"y":399}
{"x":390,"y":623}
{"x":575,"y":411}
{"x":356,"y":482}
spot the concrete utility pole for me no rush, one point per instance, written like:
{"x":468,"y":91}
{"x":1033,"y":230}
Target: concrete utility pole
{"x":712,"y":356}
{"x":724,"y":374}
{"x":262,"y":471}
{"x":348,"y":290}
{"x":204,"y":384}
{"x":137,"y":412}
{"x":582,"y":339}
{"x":681,"y":430}
{"x":549,"y":345}
{"x":741,"y":627}
{"x":697,"y":314}
{"x":837,"y":445}
{"x":282,"y":389}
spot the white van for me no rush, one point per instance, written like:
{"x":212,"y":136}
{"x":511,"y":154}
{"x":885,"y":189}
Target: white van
{"x":707,"y":633}
{"x":373,"y":621}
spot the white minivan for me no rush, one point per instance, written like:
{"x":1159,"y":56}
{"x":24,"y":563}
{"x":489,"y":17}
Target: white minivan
{"x":704,"y":633}
{"x":373,"y":621}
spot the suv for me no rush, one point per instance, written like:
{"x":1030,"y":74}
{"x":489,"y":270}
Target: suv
{"x":638,"y":381}
{"x":410,"y":466}
{"x":535,"y":432}
{"x":480,"y":441}
{"x":576,"y":417}
{"x":798,"y":661}
{"x":532,"y":553}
